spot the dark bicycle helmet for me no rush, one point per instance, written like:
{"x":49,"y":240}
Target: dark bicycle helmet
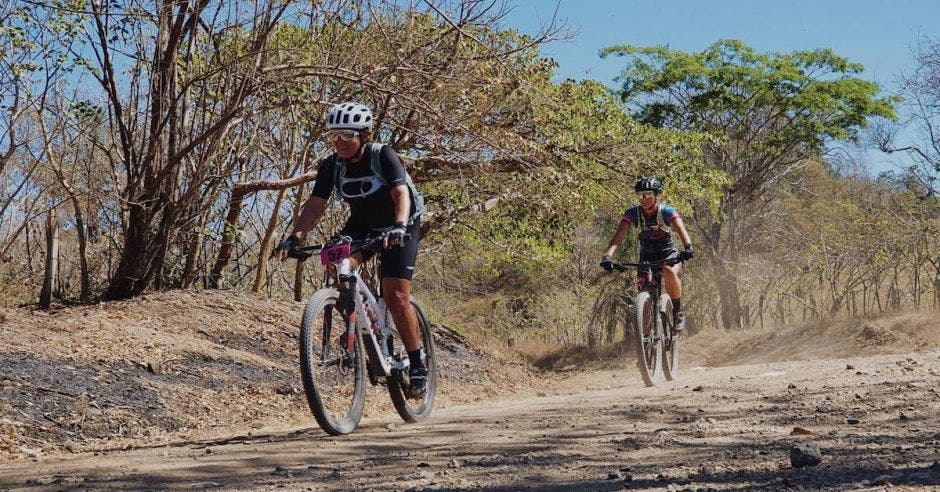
{"x":648,"y":184}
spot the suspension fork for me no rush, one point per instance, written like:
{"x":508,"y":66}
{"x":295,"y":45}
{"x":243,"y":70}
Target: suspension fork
{"x":656,"y":314}
{"x":355,"y":296}
{"x":348,"y":300}
{"x":661,"y":328}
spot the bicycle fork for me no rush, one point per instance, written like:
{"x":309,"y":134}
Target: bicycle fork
{"x":657,"y":302}
{"x":666,"y":319}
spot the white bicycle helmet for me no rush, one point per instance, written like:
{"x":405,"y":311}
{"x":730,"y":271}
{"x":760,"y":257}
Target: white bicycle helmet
{"x":349,"y":116}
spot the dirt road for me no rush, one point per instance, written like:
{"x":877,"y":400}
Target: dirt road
{"x":876,"y":421}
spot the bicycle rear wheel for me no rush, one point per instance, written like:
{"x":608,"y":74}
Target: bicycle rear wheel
{"x":648,"y":340}
{"x":670,"y":340}
{"x":332,"y":374}
{"x":418,"y":409}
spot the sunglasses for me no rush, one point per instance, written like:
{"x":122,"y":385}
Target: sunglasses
{"x":344,"y":135}
{"x":645,"y":194}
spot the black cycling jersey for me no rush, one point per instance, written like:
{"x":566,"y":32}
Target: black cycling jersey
{"x":370,"y":201}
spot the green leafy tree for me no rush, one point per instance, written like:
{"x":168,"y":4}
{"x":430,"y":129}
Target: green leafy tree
{"x":438,"y":85}
{"x":585,"y":152}
{"x":768,"y":113}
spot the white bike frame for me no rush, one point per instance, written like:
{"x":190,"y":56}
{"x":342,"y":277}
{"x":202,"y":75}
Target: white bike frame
{"x":379,"y":357}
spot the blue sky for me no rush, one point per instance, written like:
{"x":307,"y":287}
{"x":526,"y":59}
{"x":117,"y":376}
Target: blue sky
{"x":878,"y":34}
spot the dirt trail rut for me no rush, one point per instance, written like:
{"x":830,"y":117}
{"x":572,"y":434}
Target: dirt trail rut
{"x":875,"y":419}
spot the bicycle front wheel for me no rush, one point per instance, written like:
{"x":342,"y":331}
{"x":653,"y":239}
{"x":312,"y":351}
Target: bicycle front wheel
{"x":649,"y":347}
{"x":332,"y":373}
{"x":670,"y":340}
{"x":418,"y":409}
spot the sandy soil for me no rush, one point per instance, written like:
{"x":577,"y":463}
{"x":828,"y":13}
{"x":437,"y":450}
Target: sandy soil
{"x":866,"y":396}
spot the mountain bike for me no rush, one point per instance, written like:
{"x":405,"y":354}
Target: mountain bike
{"x":347,"y":334}
{"x":655,"y":337}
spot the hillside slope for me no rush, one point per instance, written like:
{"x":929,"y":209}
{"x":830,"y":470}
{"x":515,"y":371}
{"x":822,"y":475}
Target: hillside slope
{"x":179,"y":365}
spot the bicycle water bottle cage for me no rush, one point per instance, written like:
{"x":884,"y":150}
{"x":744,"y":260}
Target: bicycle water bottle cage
{"x":336,"y":252}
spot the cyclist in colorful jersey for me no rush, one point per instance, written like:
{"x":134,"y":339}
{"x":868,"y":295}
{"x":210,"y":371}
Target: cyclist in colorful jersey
{"x":382,"y":199}
{"x":655,"y":221}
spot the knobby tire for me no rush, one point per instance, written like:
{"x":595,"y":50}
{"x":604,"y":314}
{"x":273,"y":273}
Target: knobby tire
{"x":648,"y":340}
{"x":670,"y":340}
{"x":416,"y":410}
{"x":314,"y":372}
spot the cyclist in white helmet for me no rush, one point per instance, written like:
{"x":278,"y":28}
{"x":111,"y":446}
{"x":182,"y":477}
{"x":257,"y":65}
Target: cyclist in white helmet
{"x":382,"y":198}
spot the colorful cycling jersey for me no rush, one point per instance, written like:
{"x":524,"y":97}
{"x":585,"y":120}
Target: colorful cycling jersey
{"x":655,"y":232}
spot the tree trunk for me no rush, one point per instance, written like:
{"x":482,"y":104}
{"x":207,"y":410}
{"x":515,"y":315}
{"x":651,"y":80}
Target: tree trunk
{"x":29,"y":247}
{"x":936,"y":283}
{"x":730,"y":298}
{"x":837,"y":301}
{"x":196,"y":239}
{"x":144,"y":249}
{"x":266,"y":243}
{"x":781,"y":310}
{"x":804,"y":302}
{"x":719,"y":238}
{"x":229,"y":237}
{"x":896,"y":288}
{"x":865,"y":298}
{"x":85,"y":293}
{"x":80,"y":229}
{"x":894,"y":295}
{"x":52,"y":260}
{"x":760,"y":311}
{"x":299,"y":267}
{"x":232,"y":219}
{"x":192,"y":253}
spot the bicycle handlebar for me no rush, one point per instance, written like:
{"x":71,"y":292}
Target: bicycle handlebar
{"x":371,"y":243}
{"x":623,"y":267}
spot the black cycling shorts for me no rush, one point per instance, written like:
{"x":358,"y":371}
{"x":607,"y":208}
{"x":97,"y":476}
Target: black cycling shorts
{"x":397,"y":261}
{"x":656,"y":256}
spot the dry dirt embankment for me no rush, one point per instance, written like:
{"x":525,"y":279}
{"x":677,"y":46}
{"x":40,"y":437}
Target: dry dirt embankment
{"x":200,"y":390}
{"x":178,"y":365}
